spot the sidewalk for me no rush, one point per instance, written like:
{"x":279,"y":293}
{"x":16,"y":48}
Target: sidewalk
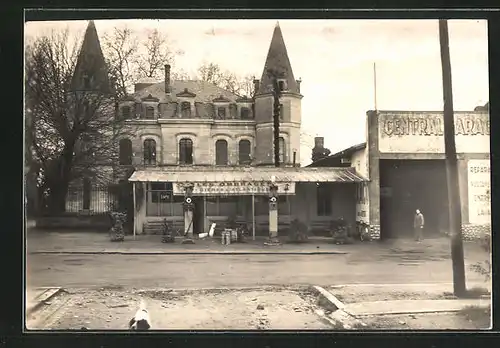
{"x":82,"y":242}
{"x":36,"y":297}
{"x":41,"y":242}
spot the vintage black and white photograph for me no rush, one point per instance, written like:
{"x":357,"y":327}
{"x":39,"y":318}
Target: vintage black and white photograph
{"x":257,"y":174}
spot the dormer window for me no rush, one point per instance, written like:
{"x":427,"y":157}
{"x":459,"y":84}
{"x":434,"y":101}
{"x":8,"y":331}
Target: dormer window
{"x":86,"y":81}
{"x":186,"y":109}
{"x":245,"y":113}
{"x":282,"y":85}
{"x":221,"y":112}
{"x":150,"y":113}
{"x":126,"y":112}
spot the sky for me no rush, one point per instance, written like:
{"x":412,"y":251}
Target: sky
{"x":335,"y":60}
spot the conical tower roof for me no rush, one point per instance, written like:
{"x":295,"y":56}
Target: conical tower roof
{"x":277,"y":60}
{"x":91,"y":64}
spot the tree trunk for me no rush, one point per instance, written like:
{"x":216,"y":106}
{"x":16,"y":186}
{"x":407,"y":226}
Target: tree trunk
{"x":59,"y":182}
{"x":276,"y":121}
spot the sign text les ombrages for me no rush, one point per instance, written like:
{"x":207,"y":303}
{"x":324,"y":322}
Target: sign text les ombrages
{"x":432,"y":125}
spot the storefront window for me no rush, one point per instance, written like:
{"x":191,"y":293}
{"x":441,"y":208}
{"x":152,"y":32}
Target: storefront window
{"x":161,"y":201}
{"x":223,"y":206}
{"x":324,"y":200}
{"x":283,"y":206}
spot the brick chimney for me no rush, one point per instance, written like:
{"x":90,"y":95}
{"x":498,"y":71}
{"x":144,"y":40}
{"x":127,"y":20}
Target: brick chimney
{"x":255,"y":86}
{"x":167,"y":78}
{"x":319,"y":142}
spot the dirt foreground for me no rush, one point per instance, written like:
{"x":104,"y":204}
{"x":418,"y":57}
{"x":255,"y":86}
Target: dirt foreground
{"x":108,"y":309}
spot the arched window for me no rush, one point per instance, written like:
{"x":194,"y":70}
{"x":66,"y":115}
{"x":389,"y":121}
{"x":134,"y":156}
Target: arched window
{"x":150,"y":113}
{"x":282,"y":147}
{"x":149,"y":152}
{"x":244,"y":151}
{"x":186,"y":109}
{"x":125,"y":155}
{"x":126,"y":112}
{"x":245,"y":113}
{"x":185,"y":151}
{"x":221,"y":153}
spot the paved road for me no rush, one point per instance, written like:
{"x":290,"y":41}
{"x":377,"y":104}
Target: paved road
{"x":206,"y":271}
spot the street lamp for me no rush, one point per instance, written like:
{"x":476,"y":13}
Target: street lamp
{"x":188,"y":206}
{"x":273,"y":212}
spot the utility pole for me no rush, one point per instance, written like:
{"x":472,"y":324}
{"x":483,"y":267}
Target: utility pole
{"x":455,"y":215}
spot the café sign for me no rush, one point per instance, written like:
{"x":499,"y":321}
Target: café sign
{"x":234,"y":188}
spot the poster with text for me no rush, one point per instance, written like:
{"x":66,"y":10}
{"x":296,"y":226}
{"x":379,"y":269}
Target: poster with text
{"x":478,"y":173}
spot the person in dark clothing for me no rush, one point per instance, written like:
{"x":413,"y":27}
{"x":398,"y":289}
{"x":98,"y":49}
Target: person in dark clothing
{"x":418,"y":225}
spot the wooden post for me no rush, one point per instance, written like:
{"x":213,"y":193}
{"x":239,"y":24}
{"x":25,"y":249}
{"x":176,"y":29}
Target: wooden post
{"x":455,"y":214}
{"x":205,"y":214}
{"x":135,"y":209}
{"x":253,"y":216}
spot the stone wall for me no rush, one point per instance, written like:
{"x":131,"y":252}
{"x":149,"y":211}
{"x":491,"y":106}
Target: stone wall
{"x":475,"y":232}
{"x":375,"y":232}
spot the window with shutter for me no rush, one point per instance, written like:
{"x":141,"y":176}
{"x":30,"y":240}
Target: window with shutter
{"x":244,"y":148}
{"x":282,"y":149}
{"x":125,"y":152}
{"x":221,"y":156}
{"x":149,"y":152}
{"x":185,"y":151}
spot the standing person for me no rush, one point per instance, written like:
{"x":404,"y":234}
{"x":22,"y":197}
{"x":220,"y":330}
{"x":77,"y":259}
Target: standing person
{"x":418,"y":225}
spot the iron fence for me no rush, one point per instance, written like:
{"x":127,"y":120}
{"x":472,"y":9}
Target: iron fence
{"x":97,"y":200}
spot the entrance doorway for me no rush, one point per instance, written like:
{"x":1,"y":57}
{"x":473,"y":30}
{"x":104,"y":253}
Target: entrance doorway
{"x":407,"y":185}
{"x":198,"y":215}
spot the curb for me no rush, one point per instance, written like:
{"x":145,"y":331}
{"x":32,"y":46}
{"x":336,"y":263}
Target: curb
{"x":338,"y":315}
{"x":41,"y":299}
{"x":187,"y":253}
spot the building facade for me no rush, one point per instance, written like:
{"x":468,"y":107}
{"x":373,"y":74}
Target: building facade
{"x":192,"y":133}
{"x":404,"y":160}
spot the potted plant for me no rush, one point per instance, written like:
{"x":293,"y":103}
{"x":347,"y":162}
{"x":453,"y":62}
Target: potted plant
{"x":298,"y":232}
{"x":167,"y":232}
{"x":116,"y":233}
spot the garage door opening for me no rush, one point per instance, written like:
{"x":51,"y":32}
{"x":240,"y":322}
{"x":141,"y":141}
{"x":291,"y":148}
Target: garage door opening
{"x":407,"y":185}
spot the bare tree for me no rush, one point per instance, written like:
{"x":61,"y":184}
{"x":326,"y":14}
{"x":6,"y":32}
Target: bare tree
{"x":121,"y":48}
{"x":74,"y":132}
{"x":213,"y":73}
{"x":157,"y":52}
{"x":129,"y":58}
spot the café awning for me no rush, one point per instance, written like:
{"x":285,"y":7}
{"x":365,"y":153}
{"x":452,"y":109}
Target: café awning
{"x":246,"y":174}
